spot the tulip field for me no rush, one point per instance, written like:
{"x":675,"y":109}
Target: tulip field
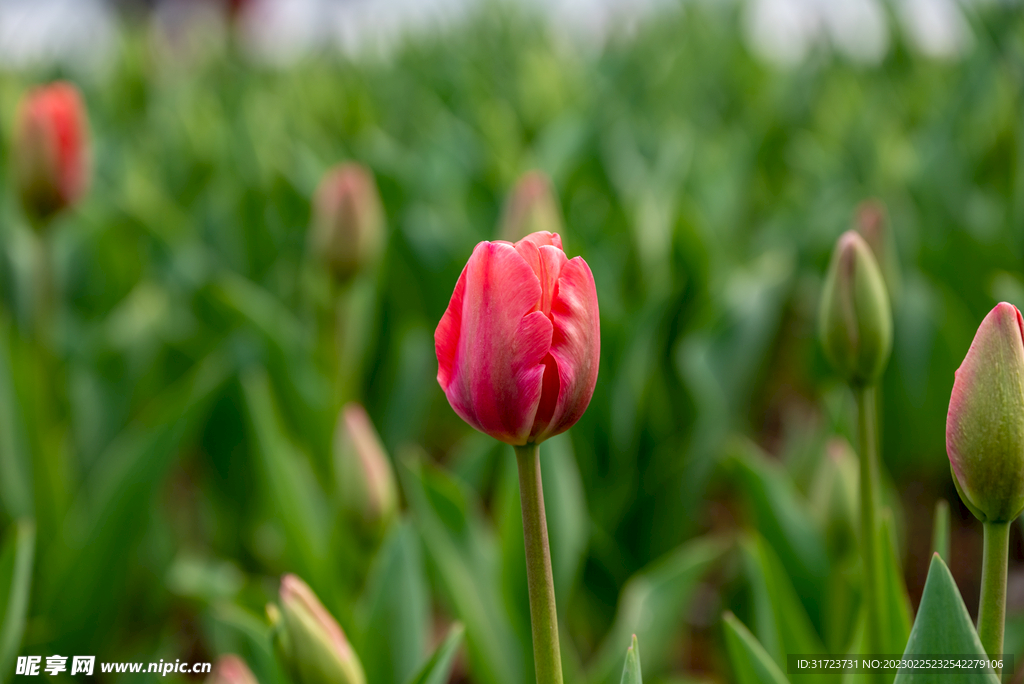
{"x":512,"y":356}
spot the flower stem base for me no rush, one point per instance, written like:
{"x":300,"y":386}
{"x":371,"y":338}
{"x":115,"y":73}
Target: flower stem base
{"x":992,"y":604}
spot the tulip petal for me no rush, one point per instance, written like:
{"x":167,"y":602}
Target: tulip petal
{"x":491,"y":343}
{"x":546,"y":262}
{"x":985,"y":423}
{"x":542,"y":238}
{"x":575,"y":345}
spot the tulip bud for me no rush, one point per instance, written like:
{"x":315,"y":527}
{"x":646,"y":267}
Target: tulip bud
{"x":519,"y":346}
{"x":50,"y":168}
{"x":985,"y":423}
{"x":531,"y":208}
{"x":348,"y":220}
{"x":872,"y":222}
{"x":230,"y":669}
{"x":855,"y":321}
{"x":366,"y":481}
{"x":317,"y":651}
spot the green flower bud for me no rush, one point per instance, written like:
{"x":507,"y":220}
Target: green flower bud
{"x":348,"y":221}
{"x":855,"y":321}
{"x":985,"y":423}
{"x":230,"y":669}
{"x":365,"y":477}
{"x":315,"y":648}
{"x":531,"y":208}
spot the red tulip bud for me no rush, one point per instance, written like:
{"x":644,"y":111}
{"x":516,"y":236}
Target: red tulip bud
{"x":531,"y":208}
{"x":519,"y":346}
{"x":985,"y":423}
{"x":230,"y":669}
{"x":348,"y":220}
{"x":49,"y":150}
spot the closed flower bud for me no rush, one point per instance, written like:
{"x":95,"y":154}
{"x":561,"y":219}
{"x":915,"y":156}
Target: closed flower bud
{"x":855,"y":320}
{"x":519,"y":346}
{"x":530,"y":208}
{"x":314,"y":644}
{"x":230,"y":669}
{"x":348,"y":221}
{"x":366,"y":481}
{"x":985,"y":423}
{"x":50,"y":166}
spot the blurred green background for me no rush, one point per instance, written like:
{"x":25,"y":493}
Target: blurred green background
{"x":173,"y":442}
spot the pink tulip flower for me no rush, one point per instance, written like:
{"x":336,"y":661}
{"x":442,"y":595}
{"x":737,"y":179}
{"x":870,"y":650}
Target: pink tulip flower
{"x":519,"y":346}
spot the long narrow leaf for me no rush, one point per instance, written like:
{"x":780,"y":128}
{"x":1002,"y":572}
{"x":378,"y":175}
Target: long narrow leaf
{"x":15,"y":460}
{"x":18,"y":596}
{"x":439,"y":666}
{"x":462,"y":550}
{"x":85,"y":563}
{"x":750,"y":662}
{"x":631,"y":669}
{"x":653,"y":605}
{"x":297,"y":499}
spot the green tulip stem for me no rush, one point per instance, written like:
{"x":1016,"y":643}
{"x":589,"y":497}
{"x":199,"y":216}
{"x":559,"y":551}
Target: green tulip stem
{"x":869,"y":490}
{"x":341,"y":354}
{"x":992,"y":605}
{"x":546,"y":655}
{"x":43,"y":290}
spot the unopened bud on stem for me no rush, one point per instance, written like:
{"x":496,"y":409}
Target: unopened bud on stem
{"x":365,"y":477}
{"x":985,"y":423}
{"x":855,"y":320}
{"x":50,"y":165}
{"x":313,"y":643}
{"x":348,"y":221}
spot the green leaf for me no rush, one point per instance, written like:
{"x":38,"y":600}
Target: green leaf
{"x":897,"y":612}
{"x":940,"y":529}
{"x":289,"y":358}
{"x":841,"y":608}
{"x":900,"y":614}
{"x":653,"y":604}
{"x":463,"y":550}
{"x":438,"y":667}
{"x":750,"y":662}
{"x":296,"y":496}
{"x":780,"y":620}
{"x":21,"y":545}
{"x":394,"y":611}
{"x":631,"y":669}
{"x":943,"y":627}
{"x":780,"y":514}
{"x":85,"y":563}
{"x":566,"y":507}
{"x":15,"y":459}
{"x":236,"y":630}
